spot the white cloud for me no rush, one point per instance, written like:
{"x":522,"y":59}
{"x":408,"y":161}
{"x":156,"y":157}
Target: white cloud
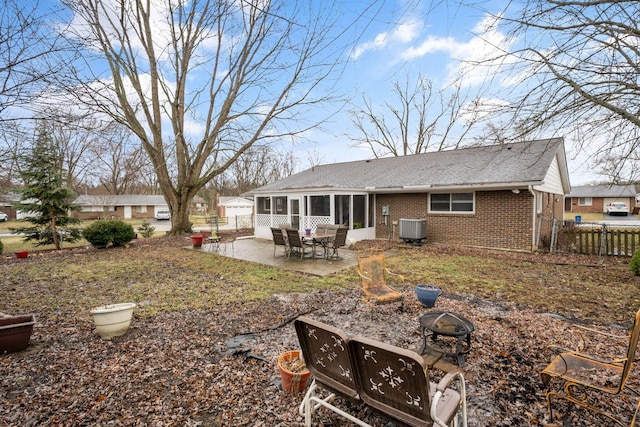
{"x":402,"y":34}
{"x":431,"y":45}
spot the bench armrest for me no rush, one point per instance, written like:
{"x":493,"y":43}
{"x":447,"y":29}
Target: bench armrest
{"x":400,"y":276}
{"x":561,"y":350}
{"x":441,"y":387}
{"x":581,"y":331}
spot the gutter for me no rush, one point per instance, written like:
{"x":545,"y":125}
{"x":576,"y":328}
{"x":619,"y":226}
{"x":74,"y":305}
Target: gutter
{"x":533,"y":218}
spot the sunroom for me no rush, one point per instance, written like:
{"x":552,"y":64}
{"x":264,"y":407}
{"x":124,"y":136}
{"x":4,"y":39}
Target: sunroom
{"x":307,"y":210}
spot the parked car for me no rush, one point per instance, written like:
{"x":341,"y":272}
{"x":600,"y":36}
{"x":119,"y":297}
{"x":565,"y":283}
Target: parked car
{"x":4,"y":216}
{"x":617,"y":208}
{"x":163,"y":214}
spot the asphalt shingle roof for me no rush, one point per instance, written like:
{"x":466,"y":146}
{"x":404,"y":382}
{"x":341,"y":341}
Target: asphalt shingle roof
{"x":121,"y":200}
{"x":496,"y":164}
{"x":604,"y":190}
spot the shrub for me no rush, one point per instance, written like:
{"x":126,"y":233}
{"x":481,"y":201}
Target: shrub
{"x":146,"y":229}
{"x":102,"y":233}
{"x":634,"y":265}
{"x":122,"y":233}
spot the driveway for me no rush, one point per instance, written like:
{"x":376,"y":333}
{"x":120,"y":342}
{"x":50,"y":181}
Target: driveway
{"x":621,"y":220}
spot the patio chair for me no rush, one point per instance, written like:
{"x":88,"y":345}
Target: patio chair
{"x":395,"y":382}
{"x":296,"y":243}
{"x":279,"y":240}
{"x":392,"y":380}
{"x":339,"y":240}
{"x":284,"y":227}
{"x":372,"y":270}
{"x":326,"y":354}
{"x":586,"y":380}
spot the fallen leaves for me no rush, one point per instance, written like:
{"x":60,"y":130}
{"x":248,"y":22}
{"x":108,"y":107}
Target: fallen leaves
{"x":182,"y":366}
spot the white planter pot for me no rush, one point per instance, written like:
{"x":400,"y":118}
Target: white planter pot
{"x":113,"y":320}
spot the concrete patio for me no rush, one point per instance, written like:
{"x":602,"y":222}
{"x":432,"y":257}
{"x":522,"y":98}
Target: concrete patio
{"x":261,"y":251}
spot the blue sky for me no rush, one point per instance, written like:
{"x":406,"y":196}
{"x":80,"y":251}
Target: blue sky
{"x":400,"y":39}
{"x":432,"y":43}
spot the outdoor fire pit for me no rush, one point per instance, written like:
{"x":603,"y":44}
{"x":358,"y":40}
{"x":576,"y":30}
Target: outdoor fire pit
{"x":436,"y":325}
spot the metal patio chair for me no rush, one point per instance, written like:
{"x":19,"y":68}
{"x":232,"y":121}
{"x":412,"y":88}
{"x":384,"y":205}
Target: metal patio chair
{"x":279,"y":240}
{"x":586,"y":380}
{"x":392,"y":380}
{"x":296,"y":243}
{"x":338,"y":241}
{"x":326,"y":354}
{"x":372,"y":271}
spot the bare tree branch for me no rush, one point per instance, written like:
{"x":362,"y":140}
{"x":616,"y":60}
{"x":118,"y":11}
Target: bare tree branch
{"x":200,"y":82}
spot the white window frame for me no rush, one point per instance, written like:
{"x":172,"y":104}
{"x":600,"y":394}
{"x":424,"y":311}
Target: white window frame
{"x":585,"y":201}
{"x":450,"y":211}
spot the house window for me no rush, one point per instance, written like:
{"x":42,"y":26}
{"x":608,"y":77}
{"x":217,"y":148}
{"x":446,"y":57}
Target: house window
{"x":264,"y":205}
{"x":584,"y":201}
{"x":451,"y":202}
{"x":141,"y":209}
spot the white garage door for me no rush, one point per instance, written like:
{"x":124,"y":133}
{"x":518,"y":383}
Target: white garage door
{"x":608,"y":200}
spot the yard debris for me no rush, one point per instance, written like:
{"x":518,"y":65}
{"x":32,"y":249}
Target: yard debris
{"x":182,"y":367}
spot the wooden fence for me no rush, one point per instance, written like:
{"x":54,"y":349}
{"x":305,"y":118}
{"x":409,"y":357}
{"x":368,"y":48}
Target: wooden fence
{"x":601,"y":240}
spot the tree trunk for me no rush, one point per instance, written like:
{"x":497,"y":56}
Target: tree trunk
{"x":180,"y":223}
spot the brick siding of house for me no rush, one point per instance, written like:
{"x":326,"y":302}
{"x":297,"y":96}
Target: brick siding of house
{"x":597,"y":205}
{"x":117,"y":214}
{"x":502,"y":219}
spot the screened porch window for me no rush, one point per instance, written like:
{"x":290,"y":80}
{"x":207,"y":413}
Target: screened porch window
{"x":359,"y":210}
{"x":348,"y":205}
{"x":281,"y":204}
{"x":264,"y":205}
{"x":320,"y":205}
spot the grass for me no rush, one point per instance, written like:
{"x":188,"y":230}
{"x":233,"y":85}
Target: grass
{"x":163,"y":277}
{"x":15,"y":243}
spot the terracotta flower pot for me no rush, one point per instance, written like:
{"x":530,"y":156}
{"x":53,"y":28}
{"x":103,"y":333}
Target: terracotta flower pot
{"x":292,"y":381}
{"x":22,"y":254}
{"x":205,"y":234}
{"x":427,"y":294}
{"x":15,"y":332}
{"x":113,"y":320}
{"x":196,"y":240}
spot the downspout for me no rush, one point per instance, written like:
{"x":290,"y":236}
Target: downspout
{"x":533,"y":218}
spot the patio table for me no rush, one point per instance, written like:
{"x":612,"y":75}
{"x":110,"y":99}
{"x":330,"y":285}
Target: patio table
{"x":318,"y":240}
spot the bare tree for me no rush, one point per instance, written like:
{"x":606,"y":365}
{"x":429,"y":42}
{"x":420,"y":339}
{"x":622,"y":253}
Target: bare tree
{"x":29,"y":55}
{"x":259,"y":166}
{"x":119,"y":163}
{"x":417,"y":120}
{"x":200,"y":82}
{"x":577,"y":65}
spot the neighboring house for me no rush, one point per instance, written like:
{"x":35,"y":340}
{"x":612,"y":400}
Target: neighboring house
{"x":500,"y":196}
{"x":119,"y":206}
{"x":6,"y":205}
{"x":231,"y":207}
{"x":127,"y":206}
{"x":199,"y":205}
{"x":594,"y":198}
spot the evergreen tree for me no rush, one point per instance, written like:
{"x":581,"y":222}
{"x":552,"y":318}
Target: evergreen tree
{"x":44,"y":198}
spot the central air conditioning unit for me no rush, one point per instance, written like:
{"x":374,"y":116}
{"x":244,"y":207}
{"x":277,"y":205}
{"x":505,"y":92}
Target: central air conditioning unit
{"x":413,"y":230}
